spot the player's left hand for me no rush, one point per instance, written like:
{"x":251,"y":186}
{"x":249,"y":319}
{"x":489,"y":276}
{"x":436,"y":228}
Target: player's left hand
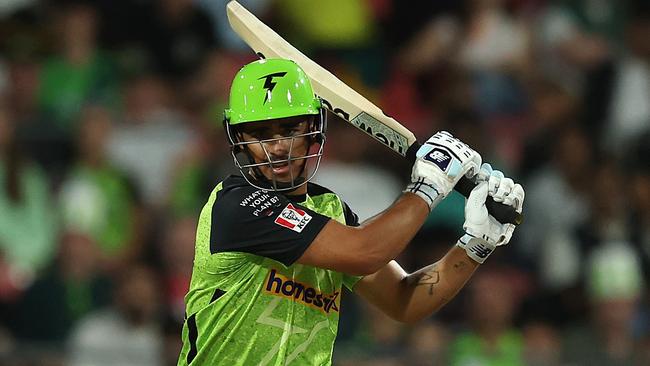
{"x":440,"y":163}
{"x":483,"y":232}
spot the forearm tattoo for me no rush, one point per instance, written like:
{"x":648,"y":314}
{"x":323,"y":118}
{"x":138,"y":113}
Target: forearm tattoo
{"x":429,"y":276}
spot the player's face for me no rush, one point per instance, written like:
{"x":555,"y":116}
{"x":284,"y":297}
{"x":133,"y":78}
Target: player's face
{"x":282,"y":140}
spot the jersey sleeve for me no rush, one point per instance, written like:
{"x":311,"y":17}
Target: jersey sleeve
{"x":265,"y":223}
{"x":350,"y":281}
{"x":351,"y":219}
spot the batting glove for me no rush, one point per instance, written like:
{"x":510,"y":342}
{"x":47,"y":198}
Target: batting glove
{"x":483,"y":233}
{"x":440,"y":163}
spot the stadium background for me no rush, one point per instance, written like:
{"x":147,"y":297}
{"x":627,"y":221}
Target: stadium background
{"x":111,"y":139}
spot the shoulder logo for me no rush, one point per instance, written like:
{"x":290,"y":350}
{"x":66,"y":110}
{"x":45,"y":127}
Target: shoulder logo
{"x":293,"y":218}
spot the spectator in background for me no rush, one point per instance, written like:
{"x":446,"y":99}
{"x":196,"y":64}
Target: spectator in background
{"x":97,"y":199}
{"x":77,"y":74}
{"x":422,"y":40}
{"x":333,"y":25}
{"x":178,"y":38}
{"x":28,"y":222}
{"x":609,"y":218}
{"x":495,"y":50}
{"x":4,"y":79}
{"x":379,"y":341}
{"x":578,"y":37}
{"x":552,"y":110}
{"x":426,"y":344}
{"x":341,"y":33}
{"x":177,"y":260}
{"x":542,"y":344}
{"x":172,"y":342}
{"x":626,"y":110}
{"x":208,"y":159}
{"x":207,"y":93}
{"x":7,"y":7}
{"x":492,"y":338}
{"x":22,"y":90}
{"x":70,"y":289}
{"x":150,"y":137}
{"x":557,"y":204}
{"x":221,"y":29}
{"x":483,"y":37}
{"x":614,"y":285}
{"x":639,"y":201}
{"x":126,"y":333}
{"x":337,"y":24}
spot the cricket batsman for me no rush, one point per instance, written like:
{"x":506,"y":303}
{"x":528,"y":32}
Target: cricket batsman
{"x":273,"y":250}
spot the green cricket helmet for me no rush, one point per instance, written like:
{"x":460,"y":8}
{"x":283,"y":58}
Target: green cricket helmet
{"x":262,"y":92}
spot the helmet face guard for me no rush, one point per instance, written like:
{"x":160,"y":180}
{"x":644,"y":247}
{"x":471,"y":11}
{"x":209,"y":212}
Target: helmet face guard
{"x":251,"y":171}
{"x":266,"y":91}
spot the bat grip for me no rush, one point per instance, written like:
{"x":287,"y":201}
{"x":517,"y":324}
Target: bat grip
{"x":503,"y":213}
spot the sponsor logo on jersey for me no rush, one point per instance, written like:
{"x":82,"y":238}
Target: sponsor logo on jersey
{"x":279,"y":285}
{"x":439,"y":157}
{"x":293,"y":218}
{"x":261,"y":202}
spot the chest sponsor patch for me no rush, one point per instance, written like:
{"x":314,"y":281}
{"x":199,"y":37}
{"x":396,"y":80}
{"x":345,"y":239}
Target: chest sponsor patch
{"x":289,"y":288}
{"x":293,"y":218}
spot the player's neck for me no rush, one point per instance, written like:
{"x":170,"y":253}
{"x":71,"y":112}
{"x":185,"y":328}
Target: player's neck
{"x":300,"y":191}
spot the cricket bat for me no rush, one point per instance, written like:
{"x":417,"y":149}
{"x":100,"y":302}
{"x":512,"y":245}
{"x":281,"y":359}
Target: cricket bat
{"x":344,"y":101}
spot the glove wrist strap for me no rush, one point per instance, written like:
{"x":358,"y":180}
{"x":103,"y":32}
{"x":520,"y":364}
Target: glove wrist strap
{"x":476,"y":248}
{"x":425,"y":190}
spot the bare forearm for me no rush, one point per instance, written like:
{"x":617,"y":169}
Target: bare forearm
{"x":383,"y":239}
{"x":428,"y":289}
{"x":363,"y":250}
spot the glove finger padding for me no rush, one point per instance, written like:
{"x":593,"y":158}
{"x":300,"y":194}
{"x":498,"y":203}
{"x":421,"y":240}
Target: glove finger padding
{"x":494,"y":181}
{"x":515,"y":198}
{"x":505,"y":187}
{"x":484,"y":173}
{"x":517,"y":195}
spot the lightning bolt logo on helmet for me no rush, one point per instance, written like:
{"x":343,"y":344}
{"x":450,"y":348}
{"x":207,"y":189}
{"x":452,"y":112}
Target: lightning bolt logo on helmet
{"x":269,"y":84}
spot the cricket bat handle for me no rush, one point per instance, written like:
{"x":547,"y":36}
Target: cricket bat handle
{"x":503,"y":213}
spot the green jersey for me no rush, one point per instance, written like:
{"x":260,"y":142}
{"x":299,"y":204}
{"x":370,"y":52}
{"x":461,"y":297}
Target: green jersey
{"x":249,"y":303}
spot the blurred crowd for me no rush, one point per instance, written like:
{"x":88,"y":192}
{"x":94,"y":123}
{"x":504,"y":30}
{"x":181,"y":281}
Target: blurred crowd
{"x":111,"y":140}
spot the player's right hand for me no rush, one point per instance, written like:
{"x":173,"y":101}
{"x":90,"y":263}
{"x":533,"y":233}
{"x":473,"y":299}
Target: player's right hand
{"x":440,"y":163}
{"x":483,"y":232}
